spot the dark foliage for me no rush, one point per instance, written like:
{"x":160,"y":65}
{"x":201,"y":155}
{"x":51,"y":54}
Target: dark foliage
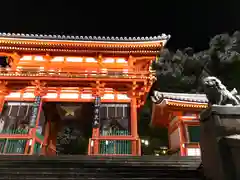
{"x":183,"y":70}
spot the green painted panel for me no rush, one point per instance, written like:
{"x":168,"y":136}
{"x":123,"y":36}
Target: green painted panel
{"x":41,"y":137}
{"x":115,"y":146}
{"x":37,"y":148}
{"x":14,"y":146}
{"x":194,"y":133}
{"x":14,"y":131}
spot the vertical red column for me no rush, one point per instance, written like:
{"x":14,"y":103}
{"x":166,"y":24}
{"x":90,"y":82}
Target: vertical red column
{"x":96,"y":124}
{"x":134,"y":124}
{"x":52,"y":138}
{"x":2,"y":101}
{"x":37,"y":107}
{"x":3,"y":92}
{"x":183,"y":138}
{"x":98,"y":92}
{"x":95,"y":135}
{"x":182,"y":132}
{"x":46,"y":136}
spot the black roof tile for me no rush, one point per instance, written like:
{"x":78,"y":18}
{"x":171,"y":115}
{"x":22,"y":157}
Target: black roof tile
{"x":84,"y":38}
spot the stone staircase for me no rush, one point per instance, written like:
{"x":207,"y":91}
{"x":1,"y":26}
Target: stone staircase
{"x":104,"y":168}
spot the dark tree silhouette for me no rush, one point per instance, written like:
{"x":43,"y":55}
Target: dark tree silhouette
{"x":183,"y":70}
{"x":176,"y":72}
{"x":225,"y":58}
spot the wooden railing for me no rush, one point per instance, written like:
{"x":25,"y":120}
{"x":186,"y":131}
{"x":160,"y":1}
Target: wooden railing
{"x":19,"y":142}
{"x":193,"y":147}
{"x":79,"y":74}
{"x":13,"y":146}
{"x":113,"y":146}
{"x":115,"y":133}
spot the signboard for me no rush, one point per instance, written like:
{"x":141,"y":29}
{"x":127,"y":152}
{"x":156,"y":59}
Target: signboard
{"x":96,"y":116}
{"x":35,"y":111}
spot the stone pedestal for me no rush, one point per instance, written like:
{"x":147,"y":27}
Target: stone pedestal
{"x":220,"y":144}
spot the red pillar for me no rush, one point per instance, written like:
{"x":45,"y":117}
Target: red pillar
{"x":2,"y":101}
{"x":95,"y":129}
{"x":46,"y":136}
{"x":3,"y":92}
{"x":134,"y":124}
{"x":34,"y":129}
{"x":34,"y":121}
{"x":183,"y":138}
{"x":52,"y":140}
{"x":95,"y":134}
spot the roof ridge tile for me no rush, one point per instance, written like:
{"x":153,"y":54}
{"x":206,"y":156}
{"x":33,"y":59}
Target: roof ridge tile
{"x":84,"y":38}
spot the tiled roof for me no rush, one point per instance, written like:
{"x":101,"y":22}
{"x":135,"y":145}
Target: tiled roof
{"x":196,"y":98}
{"x":199,"y":98}
{"x":84,"y":38}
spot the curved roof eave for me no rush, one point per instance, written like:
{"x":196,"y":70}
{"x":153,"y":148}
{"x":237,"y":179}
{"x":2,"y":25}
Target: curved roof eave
{"x":81,"y":39}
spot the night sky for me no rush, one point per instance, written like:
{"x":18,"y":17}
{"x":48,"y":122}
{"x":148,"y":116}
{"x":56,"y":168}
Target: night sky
{"x":190,"y":23}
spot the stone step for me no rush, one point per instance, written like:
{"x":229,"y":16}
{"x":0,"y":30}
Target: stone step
{"x":86,"y":178}
{"x":82,"y":157}
{"x":89,"y":167}
{"x":91,"y":160}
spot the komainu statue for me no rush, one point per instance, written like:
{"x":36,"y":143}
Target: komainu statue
{"x":220,"y":132}
{"x":218,"y":94}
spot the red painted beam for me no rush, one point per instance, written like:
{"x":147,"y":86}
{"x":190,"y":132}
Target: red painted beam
{"x":66,"y":100}
{"x":67,"y":79}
